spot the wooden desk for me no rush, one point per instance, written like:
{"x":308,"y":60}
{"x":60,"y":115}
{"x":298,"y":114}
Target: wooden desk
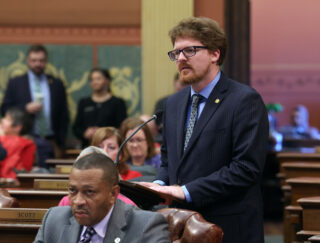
{"x":20,"y":224}
{"x":297,"y":156}
{"x":314,"y":239}
{"x":27,"y":179}
{"x":54,"y":162}
{"x":18,"y":233}
{"x":310,"y":213}
{"x":45,"y":184}
{"x":303,"y":187}
{"x":63,"y":169}
{"x":37,"y":198}
{"x":292,"y":223}
{"x":301,"y":169}
{"x":303,"y":235}
{"x":72,"y":153}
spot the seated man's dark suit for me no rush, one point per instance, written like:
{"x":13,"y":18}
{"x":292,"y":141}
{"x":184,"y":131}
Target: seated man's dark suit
{"x":223,"y":163}
{"x":127,"y":224}
{"x":18,"y":94}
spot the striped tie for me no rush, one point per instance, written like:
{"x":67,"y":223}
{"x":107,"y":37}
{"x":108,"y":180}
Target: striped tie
{"x":86,"y":237}
{"x":193,"y":119}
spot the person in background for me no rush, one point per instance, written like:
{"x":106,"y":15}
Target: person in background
{"x":153,"y":127}
{"x":299,"y":127}
{"x":20,"y":150}
{"x":95,"y":214}
{"x":101,"y":109}
{"x":44,"y":98}
{"x":140,"y":149}
{"x":109,"y":139}
{"x":161,"y":103}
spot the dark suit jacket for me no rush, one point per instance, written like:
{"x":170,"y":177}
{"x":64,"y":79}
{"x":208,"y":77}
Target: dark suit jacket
{"x":18,"y":94}
{"x":223,"y":163}
{"x":127,"y":224}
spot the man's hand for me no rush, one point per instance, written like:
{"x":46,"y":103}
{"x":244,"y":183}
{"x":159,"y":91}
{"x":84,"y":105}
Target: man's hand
{"x":33,"y":107}
{"x":175,"y":191}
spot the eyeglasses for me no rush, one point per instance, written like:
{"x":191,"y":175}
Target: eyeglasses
{"x":188,"y":51}
{"x":137,"y":140}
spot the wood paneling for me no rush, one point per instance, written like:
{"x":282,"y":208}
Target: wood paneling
{"x":70,"y":35}
{"x":71,"y":12}
{"x":210,"y":9}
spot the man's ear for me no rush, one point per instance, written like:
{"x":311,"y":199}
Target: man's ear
{"x":115,"y":190}
{"x":215,"y":55}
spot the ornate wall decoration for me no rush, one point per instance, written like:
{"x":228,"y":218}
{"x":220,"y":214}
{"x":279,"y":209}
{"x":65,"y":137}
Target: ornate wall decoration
{"x":72,"y":64}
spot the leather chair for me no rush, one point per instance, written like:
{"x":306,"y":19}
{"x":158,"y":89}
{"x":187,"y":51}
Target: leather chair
{"x":6,"y":201}
{"x":189,"y":226}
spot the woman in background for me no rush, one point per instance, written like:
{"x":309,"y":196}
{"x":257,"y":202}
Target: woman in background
{"x":100,"y":109}
{"x":108,"y":138}
{"x":140,"y":149}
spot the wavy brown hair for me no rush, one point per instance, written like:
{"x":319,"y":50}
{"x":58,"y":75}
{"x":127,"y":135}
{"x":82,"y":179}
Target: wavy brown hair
{"x":205,"y":30}
{"x":104,"y":133}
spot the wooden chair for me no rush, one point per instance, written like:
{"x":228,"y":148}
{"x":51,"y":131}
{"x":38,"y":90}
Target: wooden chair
{"x":189,"y":226}
{"x":6,"y":201}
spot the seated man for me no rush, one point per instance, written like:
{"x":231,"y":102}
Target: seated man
{"x":299,"y":127}
{"x":20,"y":150}
{"x":96,"y":215}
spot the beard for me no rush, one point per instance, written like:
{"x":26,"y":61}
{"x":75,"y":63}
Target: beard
{"x":190,"y":76}
{"x":37,"y":70}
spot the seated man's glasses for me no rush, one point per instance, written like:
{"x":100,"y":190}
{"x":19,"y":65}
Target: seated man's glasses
{"x":188,"y":51}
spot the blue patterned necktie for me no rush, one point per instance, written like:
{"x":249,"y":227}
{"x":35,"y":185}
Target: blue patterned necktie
{"x":86,"y":238}
{"x":192,"y":120}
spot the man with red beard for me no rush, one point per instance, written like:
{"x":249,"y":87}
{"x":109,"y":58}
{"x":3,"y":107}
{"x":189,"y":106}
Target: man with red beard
{"x":96,"y":215}
{"x":215,"y":136}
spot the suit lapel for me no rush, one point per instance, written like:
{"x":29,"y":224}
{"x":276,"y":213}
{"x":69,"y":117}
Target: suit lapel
{"x":27,"y":87}
{"x":71,"y":232}
{"x":213,"y":103}
{"x":181,"y":120}
{"x":51,"y":90}
{"x":117,"y":223}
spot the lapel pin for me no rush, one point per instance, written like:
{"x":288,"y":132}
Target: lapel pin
{"x":217,"y":101}
{"x":117,"y":240}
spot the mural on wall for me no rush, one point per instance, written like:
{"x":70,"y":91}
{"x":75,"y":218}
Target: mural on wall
{"x":72,"y":64}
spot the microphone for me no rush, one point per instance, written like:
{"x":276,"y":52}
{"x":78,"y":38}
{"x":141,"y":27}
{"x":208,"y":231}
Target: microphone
{"x":135,"y":131}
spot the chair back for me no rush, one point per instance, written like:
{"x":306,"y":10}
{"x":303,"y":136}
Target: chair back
{"x":6,"y":201}
{"x":189,"y":226}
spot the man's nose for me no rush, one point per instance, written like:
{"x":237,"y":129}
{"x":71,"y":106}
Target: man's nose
{"x":181,"y":56}
{"x":79,"y":199}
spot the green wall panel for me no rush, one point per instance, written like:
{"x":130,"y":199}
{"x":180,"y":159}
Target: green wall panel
{"x":72,"y":64}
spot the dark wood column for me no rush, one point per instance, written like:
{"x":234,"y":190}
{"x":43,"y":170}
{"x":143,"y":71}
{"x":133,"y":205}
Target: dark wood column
{"x":237,"y":27}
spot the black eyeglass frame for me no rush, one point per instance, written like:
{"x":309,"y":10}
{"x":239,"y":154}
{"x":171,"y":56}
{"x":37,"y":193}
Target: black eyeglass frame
{"x":172,"y":55}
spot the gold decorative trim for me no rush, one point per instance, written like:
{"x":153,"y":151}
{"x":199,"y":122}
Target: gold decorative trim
{"x":71,"y":35}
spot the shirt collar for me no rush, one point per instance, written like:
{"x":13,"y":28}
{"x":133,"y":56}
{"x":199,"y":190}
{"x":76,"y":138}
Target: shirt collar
{"x":102,"y":226}
{"x":205,"y":92}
